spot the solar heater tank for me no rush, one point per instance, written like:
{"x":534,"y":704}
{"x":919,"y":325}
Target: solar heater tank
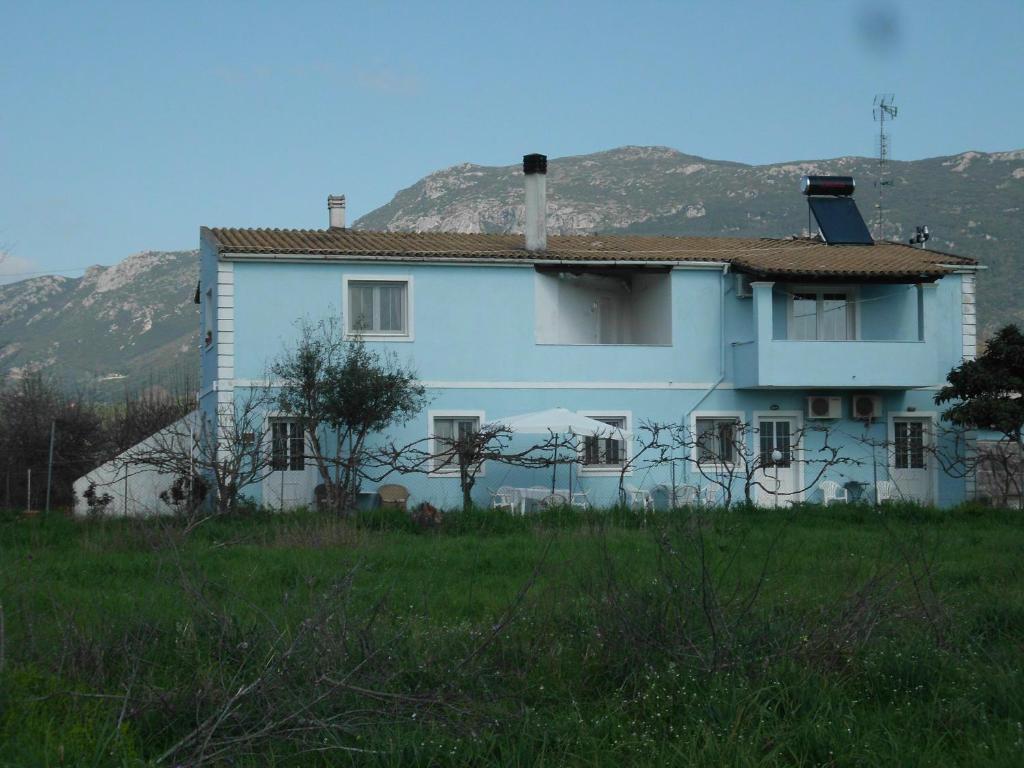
{"x":831,"y":186}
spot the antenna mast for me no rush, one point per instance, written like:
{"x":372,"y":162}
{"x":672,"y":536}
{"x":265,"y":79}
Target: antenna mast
{"x":884,"y":109}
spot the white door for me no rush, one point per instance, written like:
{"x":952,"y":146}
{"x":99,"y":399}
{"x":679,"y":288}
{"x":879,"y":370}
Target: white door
{"x":289,"y":484}
{"x":284,"y":490}
{"x":777,"y":476}
{"x":911,"y":468}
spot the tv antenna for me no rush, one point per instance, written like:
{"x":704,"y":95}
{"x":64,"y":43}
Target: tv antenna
{"x":884,"y":109}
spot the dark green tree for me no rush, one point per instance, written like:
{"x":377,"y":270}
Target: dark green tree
{"x":988,"y":392}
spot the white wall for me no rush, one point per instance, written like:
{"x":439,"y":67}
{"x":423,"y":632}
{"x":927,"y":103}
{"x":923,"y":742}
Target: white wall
{"x":652,"y":308}
{"x":140,"y":495}
{"x":593,"y":309}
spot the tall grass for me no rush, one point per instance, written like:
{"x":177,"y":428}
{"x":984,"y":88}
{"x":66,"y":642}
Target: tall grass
{"x":838,"y":636}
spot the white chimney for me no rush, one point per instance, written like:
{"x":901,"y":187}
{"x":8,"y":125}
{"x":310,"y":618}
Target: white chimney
{"x":535,"y":169}
{"x":336,"y":211}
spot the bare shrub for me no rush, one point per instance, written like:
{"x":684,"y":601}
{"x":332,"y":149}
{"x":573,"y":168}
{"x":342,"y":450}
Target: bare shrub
{"x":703,"y":607}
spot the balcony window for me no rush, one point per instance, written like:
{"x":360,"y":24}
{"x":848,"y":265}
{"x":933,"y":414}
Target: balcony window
{"x":604,"y":306}
{"x":822,"y":315}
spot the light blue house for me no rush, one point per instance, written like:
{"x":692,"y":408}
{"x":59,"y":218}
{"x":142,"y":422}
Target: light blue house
{"x":706,"y":332}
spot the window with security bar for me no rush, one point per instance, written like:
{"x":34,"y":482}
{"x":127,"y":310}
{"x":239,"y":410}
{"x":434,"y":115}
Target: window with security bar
{"x":605,"y":450}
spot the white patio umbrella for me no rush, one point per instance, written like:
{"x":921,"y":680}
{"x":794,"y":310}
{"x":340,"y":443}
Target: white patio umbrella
{"x":558,"y":421}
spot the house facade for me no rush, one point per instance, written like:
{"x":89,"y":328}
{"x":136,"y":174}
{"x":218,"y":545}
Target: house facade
{"x":779,"y":335}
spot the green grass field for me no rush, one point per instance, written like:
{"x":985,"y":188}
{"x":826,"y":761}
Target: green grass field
{"x":837,"y":637}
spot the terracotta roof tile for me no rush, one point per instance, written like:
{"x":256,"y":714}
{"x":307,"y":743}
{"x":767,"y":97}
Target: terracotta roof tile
{"x":762,"y":256}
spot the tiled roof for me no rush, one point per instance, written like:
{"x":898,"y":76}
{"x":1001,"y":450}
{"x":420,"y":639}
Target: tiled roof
{"x":763,"y":256}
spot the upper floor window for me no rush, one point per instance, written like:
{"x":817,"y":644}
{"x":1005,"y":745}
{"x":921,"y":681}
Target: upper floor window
{"x":823,"y":315}
{"x":378,"y":307}
{"x":287,"y":446}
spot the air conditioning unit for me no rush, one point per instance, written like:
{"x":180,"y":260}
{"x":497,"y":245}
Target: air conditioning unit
{"x":865,"y":406}
{"x":819,"y":407}
{"x":743,"y":290}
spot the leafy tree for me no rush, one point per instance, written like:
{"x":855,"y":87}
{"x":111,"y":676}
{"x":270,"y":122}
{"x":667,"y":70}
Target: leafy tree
{"x":988,"y":392}
{"x":337,"y":387}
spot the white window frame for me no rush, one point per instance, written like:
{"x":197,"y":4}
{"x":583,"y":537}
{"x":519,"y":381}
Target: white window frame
{"x":376,"y":335}
{"x":609,"y":470}
{"x":451,"y":471}
{"x":739,"y":416}
{"x":852,"y":300}
{"x":268,"y":434}
{"x":932,"y":419}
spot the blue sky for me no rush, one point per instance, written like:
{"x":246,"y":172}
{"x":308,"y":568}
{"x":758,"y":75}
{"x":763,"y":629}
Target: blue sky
{"x":126,"y":126}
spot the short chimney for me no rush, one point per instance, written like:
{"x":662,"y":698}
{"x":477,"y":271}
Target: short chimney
{"x":336,"y":211}
{"x":535,"y":169}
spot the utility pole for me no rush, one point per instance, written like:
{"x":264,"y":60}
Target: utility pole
{"x":49,"y":464}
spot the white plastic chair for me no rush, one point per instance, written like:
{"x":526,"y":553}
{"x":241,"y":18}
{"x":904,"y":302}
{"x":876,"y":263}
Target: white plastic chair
{"x":832,"y":492}
{"x":505,"y":498}
{"x":709,"y":495}
{"x":639,"y":496}
{"x":579,"y":500}
{"x":538,"y":493}
{"x":886,"y":490}
{"x":688,"y":496}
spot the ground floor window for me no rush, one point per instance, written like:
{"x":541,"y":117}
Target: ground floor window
{"x":716,"y":439}
{"x":446,"y":430}
{"x":606,"y":451}
{"x":287,"y":446}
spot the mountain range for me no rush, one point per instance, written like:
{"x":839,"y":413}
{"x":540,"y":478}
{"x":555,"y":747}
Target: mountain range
{"x":135,"y":322}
